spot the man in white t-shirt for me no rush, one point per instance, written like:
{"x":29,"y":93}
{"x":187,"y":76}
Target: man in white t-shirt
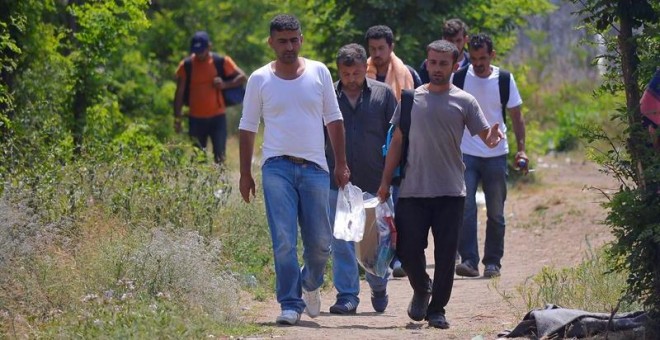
{"x":487,"y":165}
{"x":295,"y":97}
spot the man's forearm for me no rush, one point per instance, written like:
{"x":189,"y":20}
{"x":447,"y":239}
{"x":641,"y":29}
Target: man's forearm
{"x":518,"y":127}
{"x":393,"y":157}
{"x":178,"y":106}
{"x":235,"y":82}
{"x":246,"y":147}
{"x":337,"y":139}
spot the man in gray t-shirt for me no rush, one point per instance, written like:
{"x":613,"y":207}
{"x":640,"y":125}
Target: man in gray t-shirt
{"x":432,"y":193}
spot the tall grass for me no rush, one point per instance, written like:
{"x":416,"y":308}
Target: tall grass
{"x":591,"y":286}
{"x":128,"y":244}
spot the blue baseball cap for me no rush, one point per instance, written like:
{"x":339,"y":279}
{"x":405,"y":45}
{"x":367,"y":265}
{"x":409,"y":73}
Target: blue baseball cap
{"x":199,"y":42}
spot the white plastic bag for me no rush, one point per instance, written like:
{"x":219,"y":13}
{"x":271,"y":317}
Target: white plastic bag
{"x":349,"y":216}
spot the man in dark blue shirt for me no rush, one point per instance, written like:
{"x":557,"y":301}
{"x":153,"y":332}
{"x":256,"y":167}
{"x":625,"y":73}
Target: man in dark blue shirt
{"x":367,"y":106}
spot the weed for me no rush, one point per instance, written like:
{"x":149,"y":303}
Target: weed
{"x":590,"y":286}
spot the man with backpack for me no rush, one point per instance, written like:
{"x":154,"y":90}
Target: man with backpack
{"x":496,"y":92}
{"x":383,"y":65}
{"x":201,"y":80}
{"x":432,"y":193}
{"x":456,"y":32}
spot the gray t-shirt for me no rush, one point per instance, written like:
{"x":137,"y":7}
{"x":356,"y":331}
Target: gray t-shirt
{"x":435,"y":164}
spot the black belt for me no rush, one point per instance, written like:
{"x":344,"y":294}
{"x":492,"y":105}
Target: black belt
{"x":292,"y":159}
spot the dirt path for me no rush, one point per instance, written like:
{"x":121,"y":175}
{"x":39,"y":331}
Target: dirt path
{"x":553,"y":223}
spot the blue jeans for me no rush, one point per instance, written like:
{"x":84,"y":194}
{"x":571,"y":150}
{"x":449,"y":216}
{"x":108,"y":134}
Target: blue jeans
{"x":295,"y":194}
{"x":492,"y":172}
{"x":345,"y":274}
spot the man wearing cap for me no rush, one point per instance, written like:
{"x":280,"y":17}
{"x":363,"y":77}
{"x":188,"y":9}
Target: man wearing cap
{"x":205,"y":101}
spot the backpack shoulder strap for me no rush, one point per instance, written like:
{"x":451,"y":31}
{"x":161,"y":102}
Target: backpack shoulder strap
{"x":503,"y":82}
{"x":187,"y":67}
{"x":219,"y":62}
{"x":407,"y":97}
{"x":459,"y":77}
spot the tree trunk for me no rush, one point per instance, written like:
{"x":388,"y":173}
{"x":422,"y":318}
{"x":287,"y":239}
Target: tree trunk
{"x":636,"y":144}
{"x":79,"y":105}
{"x":629,"y":65}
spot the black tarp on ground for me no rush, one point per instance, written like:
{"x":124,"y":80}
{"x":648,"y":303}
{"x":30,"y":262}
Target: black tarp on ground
{"x":556,"y":322}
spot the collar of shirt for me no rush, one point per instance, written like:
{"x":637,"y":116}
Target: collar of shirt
{"x":366,"y":86}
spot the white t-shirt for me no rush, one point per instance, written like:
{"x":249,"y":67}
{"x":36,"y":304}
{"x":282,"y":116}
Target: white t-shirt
{"x":487,"y":93}
{"x":294,"y":111}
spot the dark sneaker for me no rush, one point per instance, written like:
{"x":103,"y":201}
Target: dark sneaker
{"x":379,"y":300}
{"x":491,"y":271}
{"x":418,"y":305}
{"x":438,"y":321}
{"x":343,"y":307}
{"x":397,"y":270}
{"x":466,"y":269}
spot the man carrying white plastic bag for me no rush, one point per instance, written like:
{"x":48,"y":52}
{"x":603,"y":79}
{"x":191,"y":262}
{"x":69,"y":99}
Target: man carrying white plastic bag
{"x":367,"y":106}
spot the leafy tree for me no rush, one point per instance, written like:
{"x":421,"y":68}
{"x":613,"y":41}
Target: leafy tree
{"x":416,"y":23}
{"x":631,"y":35}
{"x":98,"y":29}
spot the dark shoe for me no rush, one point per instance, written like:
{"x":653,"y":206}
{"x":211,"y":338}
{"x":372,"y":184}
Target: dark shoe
{"x":438,"y":321}
{"x":491,"y":271}
{"x":418,"y":305}
{"x":466,"y":269}
{"x":397,"y":270}
{"x":343,"y":307}
{"x":379,"y":300}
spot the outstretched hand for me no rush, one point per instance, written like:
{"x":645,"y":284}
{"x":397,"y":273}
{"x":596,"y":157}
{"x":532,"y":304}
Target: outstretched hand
{"x":494,"y":136}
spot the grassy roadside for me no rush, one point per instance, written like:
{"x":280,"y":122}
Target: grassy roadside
{"x":150,"y":240}
{"x":131,"y":246}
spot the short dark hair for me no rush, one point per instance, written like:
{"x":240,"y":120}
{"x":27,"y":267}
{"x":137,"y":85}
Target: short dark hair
{"x":350,"y":54}
{"x":284,"y":22}
{"x":443,"y":46}
{"x":480,"y":40}
{"x":380,"y":32}
{"x":452,"y":27}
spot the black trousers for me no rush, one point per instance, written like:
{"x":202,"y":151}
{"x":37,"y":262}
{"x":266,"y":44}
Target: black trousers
{"x":201,"y":129}
{"x":414,"y":217}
